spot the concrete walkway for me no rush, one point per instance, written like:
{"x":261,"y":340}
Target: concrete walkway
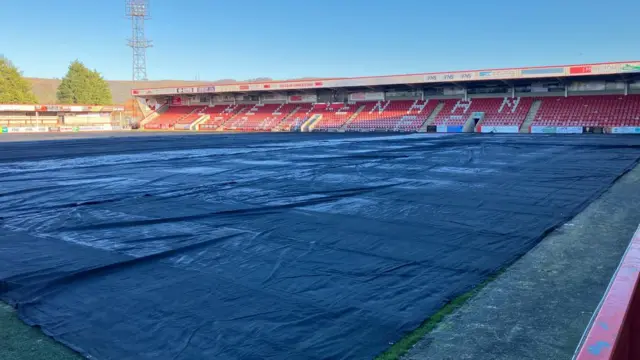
{"x":539,"y":307}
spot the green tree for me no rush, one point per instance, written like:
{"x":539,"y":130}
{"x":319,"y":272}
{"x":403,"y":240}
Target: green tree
{"x":83,"y":86}
{"x":14,"y":89}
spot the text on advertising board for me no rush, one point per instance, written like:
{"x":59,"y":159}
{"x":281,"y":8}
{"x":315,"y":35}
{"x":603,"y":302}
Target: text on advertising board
{"x":535,"y":72}
{"x":631,"y":68}
{"x":206,"y":89}
{"x":497,"y":74}
{"x":448,"y":77}
{"x":574,"y":70}
{"x":187,"y":90}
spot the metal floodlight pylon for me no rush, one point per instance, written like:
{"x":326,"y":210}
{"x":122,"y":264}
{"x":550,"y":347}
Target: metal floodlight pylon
{"x":138,"y":12}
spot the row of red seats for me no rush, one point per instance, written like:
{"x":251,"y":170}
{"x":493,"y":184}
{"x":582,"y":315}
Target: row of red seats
{"x":220,"y":114}
{"x":409,"y":115}
{"x":297,"y":117}
{"x":504,"y":111}
{"x":260,"y":117}
{"x":597,"y":111}
{"x":393,"y":115}
{"x":172,"y":116}
{"x":333,"y":115}
{"x":454,"y":112}
{"x":497,"y":111}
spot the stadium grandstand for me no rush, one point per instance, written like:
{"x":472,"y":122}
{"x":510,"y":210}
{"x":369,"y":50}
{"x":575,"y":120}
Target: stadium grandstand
{"x":593,"y":98}
{"x":374,"y":204}
{"x":300,"y":204}
{"x":60,"y":118}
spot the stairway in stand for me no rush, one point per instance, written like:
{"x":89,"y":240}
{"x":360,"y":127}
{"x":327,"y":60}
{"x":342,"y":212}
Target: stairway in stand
{"x":430,"y":120}
{"x":278,"y":126}
{"x":524,"y":128}
{"x":237,"y":111}
{"x":343,"y":128}
{"x":202,"y":119}
{"x":308,"y":125}
{"x":153,"y":115}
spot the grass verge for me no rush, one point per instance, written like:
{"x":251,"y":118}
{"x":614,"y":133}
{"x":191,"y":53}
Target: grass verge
{"x":397,"y":350}
{"x":19,"y":341}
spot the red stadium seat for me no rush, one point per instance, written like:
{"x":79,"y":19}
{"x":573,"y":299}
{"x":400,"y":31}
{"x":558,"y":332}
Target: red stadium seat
{"x":409,"y":115}
{"x":497,"y":111}
{"x":296,"y":118}
{"x":589,"y":111}
{"x":333,"y":115}
{"x":220,"y":114}
{"x":261,"y":117}
{"x":175,"y":115}
{"x":393,"y":115}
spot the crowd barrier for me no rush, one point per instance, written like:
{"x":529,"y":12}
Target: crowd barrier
{"x":614,"y":329}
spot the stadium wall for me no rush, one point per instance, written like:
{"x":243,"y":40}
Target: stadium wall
{"x":615,"y":327}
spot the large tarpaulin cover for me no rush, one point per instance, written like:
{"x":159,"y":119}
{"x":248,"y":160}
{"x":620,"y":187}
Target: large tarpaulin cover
{"x":275,"y":247}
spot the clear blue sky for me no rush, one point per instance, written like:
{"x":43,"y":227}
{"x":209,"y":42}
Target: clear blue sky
{"x":243,"y":39}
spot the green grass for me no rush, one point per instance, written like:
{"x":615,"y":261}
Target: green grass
{"x":21,"y":342}
{"x":397,"y":350}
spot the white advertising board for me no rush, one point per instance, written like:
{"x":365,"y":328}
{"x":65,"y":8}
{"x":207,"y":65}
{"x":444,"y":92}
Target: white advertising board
{"x":308,"y":98}
{"x":499,"y":129}
{"x":33,"y":129}
{"x":366,"y":96}
{"x":625,"y":130}
{"x":556,"y":130}
{"x":569,"y":130}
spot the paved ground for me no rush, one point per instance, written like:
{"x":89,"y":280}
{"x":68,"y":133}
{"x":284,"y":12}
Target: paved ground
{"x":539,"y":308}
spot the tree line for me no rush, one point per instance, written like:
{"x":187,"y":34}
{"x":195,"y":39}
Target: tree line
{"x":79,"y":86}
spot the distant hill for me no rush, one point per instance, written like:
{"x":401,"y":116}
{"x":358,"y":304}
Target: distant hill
{"x":45,"y":89}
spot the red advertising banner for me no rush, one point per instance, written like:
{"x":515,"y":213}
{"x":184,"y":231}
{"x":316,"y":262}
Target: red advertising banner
{"x":576,"y":70}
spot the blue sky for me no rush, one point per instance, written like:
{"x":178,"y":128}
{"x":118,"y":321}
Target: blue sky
{"x":214,"y":39}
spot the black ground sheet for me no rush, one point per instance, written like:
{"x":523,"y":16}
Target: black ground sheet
{"x":275,"y":246}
